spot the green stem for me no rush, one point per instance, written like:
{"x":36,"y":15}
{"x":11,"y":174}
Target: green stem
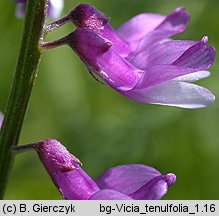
{"x":20,"y":92}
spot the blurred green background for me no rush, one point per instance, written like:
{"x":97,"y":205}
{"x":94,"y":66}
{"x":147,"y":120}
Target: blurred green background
{"x":103,"y":128}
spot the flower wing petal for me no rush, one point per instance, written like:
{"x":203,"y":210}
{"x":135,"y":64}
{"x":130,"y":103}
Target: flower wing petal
{"x":127,"y":178}
{"x":161,"y":73}
{"x":199,"y":56}
{"x":161,"y":53}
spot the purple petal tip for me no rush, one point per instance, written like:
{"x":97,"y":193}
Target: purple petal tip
{"x":170,"y":179}
{"x":180,"y":17}
{"x":180,"y":9}
{"x":205,"y":39}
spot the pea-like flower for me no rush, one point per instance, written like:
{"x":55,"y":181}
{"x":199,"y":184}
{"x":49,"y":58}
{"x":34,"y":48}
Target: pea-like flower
{"x":127,"y":182}
{"x":54,"y":9}
{"x":139,"y":60}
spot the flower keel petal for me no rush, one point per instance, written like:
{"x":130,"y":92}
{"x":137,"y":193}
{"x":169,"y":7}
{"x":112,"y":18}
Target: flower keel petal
{"x":174,"y":93}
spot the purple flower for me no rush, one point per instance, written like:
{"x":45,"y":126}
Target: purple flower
{"x":139,"y":60}
{"x":134,"y":181}
{"x":54,"y":10}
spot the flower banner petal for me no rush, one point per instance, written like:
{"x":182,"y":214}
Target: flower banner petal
{"x":174,"y":24}
{"x":139,"y":26}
